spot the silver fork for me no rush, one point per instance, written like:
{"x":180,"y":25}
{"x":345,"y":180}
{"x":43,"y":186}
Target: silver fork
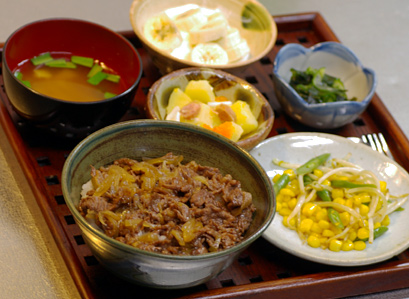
{"x":378,"y":143}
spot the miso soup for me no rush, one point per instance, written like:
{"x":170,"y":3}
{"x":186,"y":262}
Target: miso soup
{"x":71,"y":78}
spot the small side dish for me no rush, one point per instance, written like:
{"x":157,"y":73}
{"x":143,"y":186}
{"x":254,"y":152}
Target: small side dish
{"x":164,"y":206}
{"x":335,"y":204}
{"x":300,"y":148}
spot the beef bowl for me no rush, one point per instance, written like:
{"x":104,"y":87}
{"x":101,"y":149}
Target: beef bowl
{"x":69,"y":77}
{"x":160,"y":254}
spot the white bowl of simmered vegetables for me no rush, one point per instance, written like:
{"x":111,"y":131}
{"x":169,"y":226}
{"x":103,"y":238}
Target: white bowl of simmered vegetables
{"x":166,"y":204}
{"x":338,"y":202}
{"x":325,"y":86}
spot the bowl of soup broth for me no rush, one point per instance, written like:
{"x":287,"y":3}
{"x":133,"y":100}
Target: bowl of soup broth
{"x":70,"y":77}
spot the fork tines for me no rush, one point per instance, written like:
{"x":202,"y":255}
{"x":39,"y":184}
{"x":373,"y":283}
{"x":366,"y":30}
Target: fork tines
{"x":378,"y":143}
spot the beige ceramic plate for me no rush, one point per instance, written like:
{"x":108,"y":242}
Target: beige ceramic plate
{"x":299,"y":148}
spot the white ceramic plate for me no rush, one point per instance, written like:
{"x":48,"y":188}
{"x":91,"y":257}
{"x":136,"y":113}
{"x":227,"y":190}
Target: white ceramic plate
{"x":299,"y":148}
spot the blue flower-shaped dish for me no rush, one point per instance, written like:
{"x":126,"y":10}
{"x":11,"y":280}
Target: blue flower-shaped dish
{"x":340,"y":62}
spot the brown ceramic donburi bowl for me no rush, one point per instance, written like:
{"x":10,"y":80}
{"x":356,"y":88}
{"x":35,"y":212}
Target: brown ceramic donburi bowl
{"x":153,"y":138}
{"x":77,"y":37}
{"x":224,"y":84}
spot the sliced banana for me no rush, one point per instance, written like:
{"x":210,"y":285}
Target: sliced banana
{"x":189,"y":19}
{"x":209,"y":53}
{"x":238,"y":51}
{"x":213,"y":30}
{"x":231,"y":39}
{"x":162,"y":32}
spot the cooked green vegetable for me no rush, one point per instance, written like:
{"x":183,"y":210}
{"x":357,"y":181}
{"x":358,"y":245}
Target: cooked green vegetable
{"x":113,"y":78}
{"x":81,"y":60}
{"x":377,"y":232}
{"x":96,"y":68}
{"x":61,"y":62}
{"x":108,"y":95}
{"x":324,"y":194}
{"x":347,"y":184}
{"x":314,"y":86}
{"x":312,"y":164}
{"x":335,"y":219}
{"x":97,"y":78}
{"x":43,"y":58}
{"x":281,"y":183}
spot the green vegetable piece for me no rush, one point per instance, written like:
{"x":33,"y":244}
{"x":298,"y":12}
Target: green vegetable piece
{"x":333,"y":216}
{"x":400,"y":209}
{"x":281,"y":183}
{"x":43,"y":58}
{"x":26,"y":83}
{"x":324,"y":194}
{"x":81,"y":60}
{"x":312,"y":164}
{"x":348,"y":184}
{"x":377,"y":232}
{"x":62,"y":63}
{"x":18,"y":75}
{"x":113,"y":78}
{"x":307,"y":180}
{"x":108,"y":95}
{"x":96,"y":68}
{"x":97,"y":78}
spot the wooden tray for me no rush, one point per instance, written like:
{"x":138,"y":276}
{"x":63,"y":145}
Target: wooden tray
{"x":263,"y":269}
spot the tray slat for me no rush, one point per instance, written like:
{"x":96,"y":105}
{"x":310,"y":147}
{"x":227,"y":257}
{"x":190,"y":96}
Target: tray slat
{"x":262,"y":269}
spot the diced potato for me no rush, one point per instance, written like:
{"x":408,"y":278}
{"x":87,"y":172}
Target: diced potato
{"x":177,"y":99}
{"x":200,"y":90}
{"x":206,"y":116}
{"x":245,"y":117}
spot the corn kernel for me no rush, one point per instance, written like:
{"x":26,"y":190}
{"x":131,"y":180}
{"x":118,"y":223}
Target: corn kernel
{"x":357,"y":200}
{"x":276,"y":177}
{"x":279,"y":197}
{"x":362,"y":223}
{"x":316,"y":228}
{"x":337,"y":192}
{"x":324,"y":224}
{"x":339,"y":200}
{"x":365,"y":197}
{"x":347,"y":245}
{"x":363,"y":210}
{"x":292,"y":203}
{"x":278,"y":206}
{"x":322,"y":214}
{"x":386,"y":221}
{"x":335,"y":229}
{"x":313,"y":241}
{"x":335,"y":245}
{"x":382,"y":186}
{"x":376,"y":225}
{"x":305,"y":225}
{"x":352,"y":235}
{"x":287,"y":192}
{"x":284,"y":211}
{"x":284,"y":204}
{"x":308,"y":209}
{"x":326,"y":183}
{"x":345,"y":218}
{"x":290,"y":173}
{"x":328,"y":233}
{"x":349,"y":202}
{"x":318,"y":172}
{"x":359,"y":245}
{"x":363,"y":233}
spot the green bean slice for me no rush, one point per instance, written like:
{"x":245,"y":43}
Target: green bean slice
{"x":324,"y":194}
{"x":335,"y":219}
{"x":281,"y":183}
{"x":350,"y":185}
{"x":312,"y":164}
{"x":377,"y":232}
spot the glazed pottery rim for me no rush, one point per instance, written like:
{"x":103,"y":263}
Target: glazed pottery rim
{"x":241,"y":63}
{"x":305,"y":50}
{"x":123,"y":126}
{"x":65,"y":19}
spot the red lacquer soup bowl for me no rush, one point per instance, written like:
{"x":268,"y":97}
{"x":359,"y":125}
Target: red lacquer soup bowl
{"x":71,"y":119}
